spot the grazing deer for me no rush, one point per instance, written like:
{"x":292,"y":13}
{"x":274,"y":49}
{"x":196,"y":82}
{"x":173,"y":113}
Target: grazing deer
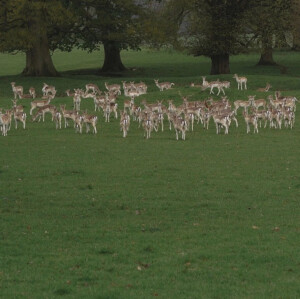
{"x":250,"y":119}
{"x":240,"y":81}
{"x":124,"y":123}
{"x":163,"y":85}
{"x":113,"y":88}
{"x":48,"y":89}
{"x":265,"y":89}
{"x":17,"y":90}
{"x":43,"y":110}
{"x":39,"y":103}
{"x":92,"y":87}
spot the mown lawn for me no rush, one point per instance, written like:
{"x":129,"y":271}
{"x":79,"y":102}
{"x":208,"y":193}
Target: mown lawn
{"x":100,"y":216}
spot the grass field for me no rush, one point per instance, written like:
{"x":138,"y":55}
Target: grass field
{"x":100,"y":216}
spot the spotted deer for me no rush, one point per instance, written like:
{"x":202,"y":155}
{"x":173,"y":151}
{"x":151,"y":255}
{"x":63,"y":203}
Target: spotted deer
{"x":17,"y":90}
{"x":240,"y":81}
{"x":124,"y":123}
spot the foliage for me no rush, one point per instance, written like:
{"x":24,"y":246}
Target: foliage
{"x":103,"y":21}
{"x":270,"y":21}
{"x":26,"y":21}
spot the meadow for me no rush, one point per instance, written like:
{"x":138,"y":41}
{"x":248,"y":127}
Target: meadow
{"x":102,"y":216}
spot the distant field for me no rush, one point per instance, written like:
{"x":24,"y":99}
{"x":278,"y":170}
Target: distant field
{"x":100,"y":216}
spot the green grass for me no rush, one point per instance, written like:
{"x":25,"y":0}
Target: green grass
{"x":86,"y":216}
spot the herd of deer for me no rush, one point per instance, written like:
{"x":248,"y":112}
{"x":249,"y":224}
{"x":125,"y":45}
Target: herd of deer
{"x":151,"y":115}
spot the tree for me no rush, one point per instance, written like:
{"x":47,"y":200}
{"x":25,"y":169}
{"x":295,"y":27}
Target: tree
{"x":115,"y":24}
{"x":36,"y":28}
{"x":269,"y":20}
{"x":214,"y":28}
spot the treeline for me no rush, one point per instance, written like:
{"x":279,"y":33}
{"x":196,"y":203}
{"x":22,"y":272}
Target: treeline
{"x":214,"y":28}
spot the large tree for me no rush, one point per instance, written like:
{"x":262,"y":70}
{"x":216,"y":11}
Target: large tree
{"x":114,"y":24}
{"x":36,"y":28}
{"x":214,"y":28}
{"x":269,"y":21}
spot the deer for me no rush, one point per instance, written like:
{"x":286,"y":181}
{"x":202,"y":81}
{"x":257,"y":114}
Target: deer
{"x":148,"y":125}
{"x":240,"y":103}
{"x":115,"y":88}
{"x":141,"y":87}
{"x":124,"y":123}
{"x":43,"y":110}
{"x":21,"y":117}
{"x":261,"y":115}
{"x":57,"y":119}
{"x":17,"y":90}
{"x":257,"y":103}
{"x":212,"y":85}
{"x":240,"y":81}
{"x":250,"y":119}
{"x":288,"y":116}
{"x":5,"y":120}
{"x":275,"y":118}
{"x":264,"y":89}
{"x":128,"y":104}
{"x":276,"y":103}
{"x":158,"y":119}
{"x":32,"y":92}
{"x":69,"y":93}
{"x":68,"y":114}
{"x":99,"y":101}
{"x":163,"y":85}
{"x":221,"y":121}
{"x":153,"y":107}
{"x":77,"y":99}
{"x":180,"y":125}
{"x":90,"y":120}
{"x":17,"y":108}
{"x":48,"y":89}
{"x":78,"y":121}
{"x":40,"y":103}
{"x":92,"y":87}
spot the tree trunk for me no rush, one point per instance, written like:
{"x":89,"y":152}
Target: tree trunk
{"x":266,"y":57}
{"x":38,"y":59}
{"x":220,"y":64}
{"x":112,"y":58}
